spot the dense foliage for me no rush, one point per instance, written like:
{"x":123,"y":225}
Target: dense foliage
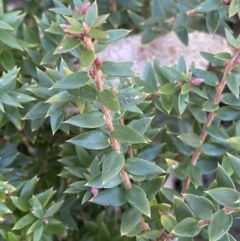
{"x":86,"y":145}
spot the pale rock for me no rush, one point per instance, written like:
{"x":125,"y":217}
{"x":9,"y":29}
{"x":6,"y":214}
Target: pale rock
{"x":166,"y":49}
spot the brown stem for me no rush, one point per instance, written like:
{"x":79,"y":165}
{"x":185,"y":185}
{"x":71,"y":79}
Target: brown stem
{"x":229,"y":66}
{"x":114,"y":143}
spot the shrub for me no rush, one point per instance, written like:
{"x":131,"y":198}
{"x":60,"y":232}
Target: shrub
{"x":85,"y":157}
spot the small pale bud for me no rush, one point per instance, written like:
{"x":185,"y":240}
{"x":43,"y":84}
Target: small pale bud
{"x":226,"y":2}
{"x":196,"y":81}
{"x":84,"y":8}
{"x":45,"y":220}
{"x":65,"y":26}
{"x":94,"y":191}
{"x":98,"y":62}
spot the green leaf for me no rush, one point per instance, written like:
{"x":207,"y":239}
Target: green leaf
{"x":87,"y":58}
{"x":234,"y":7}
{"x":197,"y":112}
{"x":43,"y":79}
{"x":167,"y":89}
{"x":223,"y":179}
{"x":99,"y":20}
{"x":7,"y":60}
{"x":28,"y":188}
{"x":230,"y":99}
{"x":182,"y":102}
{"x":8,"y":100}
{"x":20,"y":203}
{"x":4,"y":209}
{"x":187,"y":228}
{"x":168,"y":222}
{"x":97,"y":34}
{"x":181,"y":209}
{"x":220,"y":224}
{"x":195,"y":175}
{"x":109,"y":99}
{"x":114,"y":35}
{"x":37,"y":234}
{"x":53,"y":209}
{"x":93,"y":140}
{"x":185,"y":88}
{"x":211,"y":58}
{"x":127,"y":135}
{"x":9,"y":40}
{"x":72,"y":81}
{"x":140,"y":167}
{"x":230,"y":38}
{"x":224,"y":56}
{"x":234,"y":142}
{"x":24,"y":221}
{"x":209,"y":106}
{"x":130,"y":218}
{"x":67,"y":45}
{"x":235,"y":162}
{"x":166,"y":102}
{"x":90,"y":119}
{"x":208,"y":5}
{"x":141,"y":125}
{"x":209,"y":78}
{"x":44,"y":197}
{"x":137,"y":197}
{"x":12,"y":237}
{"x":116,"y":69}
{"x":190,"y":139}
{"x":60,"y":97}
{"x":180,"y":22}
{"x":38,"y":111}
{"x":114,"y":197}
{"x":36,"y":209}
{"x":112,"y":165}
{"x":212,"y":21}
{"x":130,"y":98}
{"x":225,"y":196}
{"x":232,"y":83}
{"x":201,"y":206}
{"x":5,"y":26}
{"x":20,"y":97}
{"x":91,"y":14}
{"x":218,"y":133}
{"x":172,"y":73}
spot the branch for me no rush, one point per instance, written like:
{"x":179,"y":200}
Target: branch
{"x":229,"y":66}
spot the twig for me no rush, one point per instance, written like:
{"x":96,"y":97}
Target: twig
{"x":229,"y":66}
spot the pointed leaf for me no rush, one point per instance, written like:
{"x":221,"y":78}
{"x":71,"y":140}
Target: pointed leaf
{"x":72,"y":81}
{"x":187,"y":228}
{"x":225,"y":196}
{"x":116,"y":69}
{"x":234,"y":142}
{"x":91,"y":14}
{"x":208,"y":5}
{"x":168,"y":89}
{"x":24,"y":221}
{"x":168,"y":222}
{"x":201,"y":206}
{"x":38,"y":111}
{"x":223,"y":179}
{"x":140,"y":167}
{"x":112,"y":165}
{"x":220,"y":224}
{"x":86,"y":58}
{"x":114,"y":197}
{"x":137,"y":197}
{"x":127,"y":135}
{"x":190,"y":139}
{"x":21,"y":203}
{"x":43,"y":79}
{"x":212,"y":21}
{"x":130,"y":218}
{"x":114,"y":35}
{"x":109,"y":99}
{"x":181,"y":209}
{"x":234,"y":7}
{"x":53,"y":209}
{"x":94,"y":140}
{"x":67,"y":45}
{"x":90,"y":119}
{"x":235,"y":161}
